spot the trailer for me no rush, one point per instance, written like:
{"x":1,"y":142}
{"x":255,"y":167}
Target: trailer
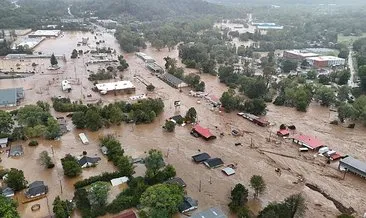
{"x":83,"y":138}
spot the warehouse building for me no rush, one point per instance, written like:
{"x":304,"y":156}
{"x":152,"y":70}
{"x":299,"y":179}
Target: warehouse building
{"x":120,"y":86}
{"x":298,"y":55}
{"x":325,"y":61}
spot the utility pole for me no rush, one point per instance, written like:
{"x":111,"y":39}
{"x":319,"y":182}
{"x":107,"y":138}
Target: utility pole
{"x":199,"y":188}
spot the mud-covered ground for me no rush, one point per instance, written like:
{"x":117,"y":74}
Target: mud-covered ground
{"x":178,"y":147}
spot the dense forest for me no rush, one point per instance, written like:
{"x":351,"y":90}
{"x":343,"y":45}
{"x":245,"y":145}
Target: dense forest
{"x":149,"y":10}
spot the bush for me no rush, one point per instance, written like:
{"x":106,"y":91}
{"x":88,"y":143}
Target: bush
{"x":169,"y":126}
{"x":33,"y":143}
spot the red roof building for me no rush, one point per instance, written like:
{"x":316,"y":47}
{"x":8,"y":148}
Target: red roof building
{"x":127,"y":214}
{"x":308,"y":141}
{"x":283,"y":132}
{"x":261,"y":122}
{"x":203,"y":132}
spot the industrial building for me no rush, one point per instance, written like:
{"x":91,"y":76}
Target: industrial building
{"x":45,"y":33}
{"x":146,"y":58}
{"x":11,"y":97}
{"x":353,"y":165}
{"x":325,"y":61}
{"x":27,"y":43}
{"x":120,"y":86}
{"x":298,"y":55}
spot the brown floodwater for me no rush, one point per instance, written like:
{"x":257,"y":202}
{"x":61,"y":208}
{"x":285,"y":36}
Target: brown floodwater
{"x":179,"y":146}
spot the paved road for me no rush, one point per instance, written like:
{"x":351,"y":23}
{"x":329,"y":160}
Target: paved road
{"x":351,"y":80}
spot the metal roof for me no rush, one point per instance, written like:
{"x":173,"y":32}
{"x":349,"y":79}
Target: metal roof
{"x":210,"y":213}
{"x":8,"y":96}
{"x":353,"y":162}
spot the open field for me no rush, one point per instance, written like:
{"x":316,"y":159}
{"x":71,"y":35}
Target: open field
{"x":349,"y":39}
{"x":178,"y":147}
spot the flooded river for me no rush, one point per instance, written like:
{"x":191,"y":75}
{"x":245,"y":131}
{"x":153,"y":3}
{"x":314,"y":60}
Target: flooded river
{"x":178,"y":147}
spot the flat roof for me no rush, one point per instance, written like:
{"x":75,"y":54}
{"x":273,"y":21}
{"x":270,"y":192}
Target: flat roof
{"x":120,"y":85}
{"x":10,"y":96}
{"x":213,"y":212}
{"x":201,"y":157}
{"x":355,"y":163}
{"x":325,"y":58}
{"x":302,"y":53}
{"x":46,"y":33}
{"x":228,"y":171}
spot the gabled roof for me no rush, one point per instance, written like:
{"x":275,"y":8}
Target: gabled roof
{"x":198,"y":158}
{"x":354,"y":163}
{"x":309,"y":141}
{"x":127,"y":214}
{"x":176,"y":180}
{"x":213,"y":162}
{"x":36,"y":188}
{"x":86,"y":159}
{"x":175,"y":81}
{"x":16,"y":149}
{"x":8,"y":192}
{"x":205,"y":133}
{"x":188,"y":205}
{"x":210,"y":213}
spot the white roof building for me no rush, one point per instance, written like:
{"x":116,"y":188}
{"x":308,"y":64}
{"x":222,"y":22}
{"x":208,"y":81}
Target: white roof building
{"x":65,"y":85}
{"x":119,"y":181}
{"x":115,"y":86}
{"x":45,"y":33}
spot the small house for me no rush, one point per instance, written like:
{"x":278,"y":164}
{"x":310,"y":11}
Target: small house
{"x":203,"y":132}
{"x":308,"y":141}
{"x":16,"y":151}
{"x":8,"y":192}
{"x":86,"y":161}
{"x":213,"y":162}
{"x":36,"y":189}
{"x":177,"y":119}
{"x":3,"y":142}
{"x":199,"y":158}
{"x":228,"y":171}
{"x":177,"y":181}
{"x":119,"y":181}
{"x":213,"y":212}
{"x":188,"y":205}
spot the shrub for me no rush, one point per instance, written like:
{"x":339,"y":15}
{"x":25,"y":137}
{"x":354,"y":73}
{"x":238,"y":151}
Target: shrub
{"x":33,"y":143}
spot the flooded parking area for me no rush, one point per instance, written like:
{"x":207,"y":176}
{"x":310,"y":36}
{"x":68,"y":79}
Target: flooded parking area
{"x":209,"y":186}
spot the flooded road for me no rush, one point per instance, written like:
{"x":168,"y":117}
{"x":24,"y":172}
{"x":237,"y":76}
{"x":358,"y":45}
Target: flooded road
{"x":179,"y":146}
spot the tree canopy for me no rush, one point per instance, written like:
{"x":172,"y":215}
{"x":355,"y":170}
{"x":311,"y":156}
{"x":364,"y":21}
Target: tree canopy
{"x":8,"y":208}
{"x":15,"y":179}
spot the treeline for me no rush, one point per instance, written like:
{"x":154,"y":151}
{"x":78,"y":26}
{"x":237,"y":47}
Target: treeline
{"x":94,"y":117}
{"x":33,"y":121}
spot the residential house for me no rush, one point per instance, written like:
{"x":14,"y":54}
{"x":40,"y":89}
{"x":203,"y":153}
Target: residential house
{"x":16,"y":150}
{"x":86,"y":161}
{"x":203,"y":132}
{"x":188,"y":205}
{"x":8,"y":192}
{"x":213,"y":162}
{"x":3,"y":142}
{"x":199,"y":158}
{"x":308,"y":141}
{"x":177,"y":181}
{"x":36,"y":189}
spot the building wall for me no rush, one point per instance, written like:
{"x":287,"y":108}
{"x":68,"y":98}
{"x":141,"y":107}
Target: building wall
{"x":351,"y":169}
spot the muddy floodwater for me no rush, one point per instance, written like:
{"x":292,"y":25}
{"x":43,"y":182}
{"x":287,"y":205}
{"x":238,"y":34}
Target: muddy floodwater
{"x":261,"y":158}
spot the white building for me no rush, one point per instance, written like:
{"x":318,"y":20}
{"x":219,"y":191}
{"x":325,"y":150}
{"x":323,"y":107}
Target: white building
{"x":45,"y":33}
{"x":146,"y":58}
{"x":66,"y":86}
{"x":83,"y":138}
{"x":124,"y":86}
{"x":325,"y":61}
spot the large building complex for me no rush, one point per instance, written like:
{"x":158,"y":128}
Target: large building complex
{"x":45,"y":33}
{"x":325,"y":61}
{"x":298,"y":55}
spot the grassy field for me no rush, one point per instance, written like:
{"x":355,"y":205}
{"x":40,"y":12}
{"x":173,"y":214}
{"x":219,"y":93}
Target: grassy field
{"x":349,"y":39}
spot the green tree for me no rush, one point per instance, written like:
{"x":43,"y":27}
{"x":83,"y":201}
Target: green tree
{"x":229,"y":101}
{"x":255,"y":106}
{"x":53,"y":60}
{"x":292,"y":207}
{"x":154,"y":161}
{"x":8,"y":208}
{"x":311,"y":75}
{"x":362,"y":76}
{"x":124,"y":165}
{"x":169,"y":126}
{"x":71,"y":166}
{"x":289,"y":65}
{"x":15,"y":179}
{"x":345,"y":216}
{"x":239,"y":196}
{"x":98,"y":194}
{"x":191,"y":115}
{"x":243,"y":212}
{"x":74,"y":54}
{"x":94,"y":121}
{"x":115,"y":115}
{"x":258,"y":184}
{"x":343,"y":93}
{"x":45,"y":159}
{"x":325,"y":95}
{"x":53,"y":129}
{"x":62,"y":209}
{"x":150,"y":87}
{"x":6,"y":122}
{"x":79,"y":119}
{"x":162,"y":197}
{"x":345,"y":111}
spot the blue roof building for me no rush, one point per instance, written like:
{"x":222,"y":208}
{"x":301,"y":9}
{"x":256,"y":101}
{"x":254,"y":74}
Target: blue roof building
{"x":11,"y":97}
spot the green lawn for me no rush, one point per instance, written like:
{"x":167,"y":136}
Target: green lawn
{"x":349,"y":39}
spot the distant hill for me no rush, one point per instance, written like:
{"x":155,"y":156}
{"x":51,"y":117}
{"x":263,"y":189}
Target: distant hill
{"x":287,"y":2}
{"x":150,"y":9}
